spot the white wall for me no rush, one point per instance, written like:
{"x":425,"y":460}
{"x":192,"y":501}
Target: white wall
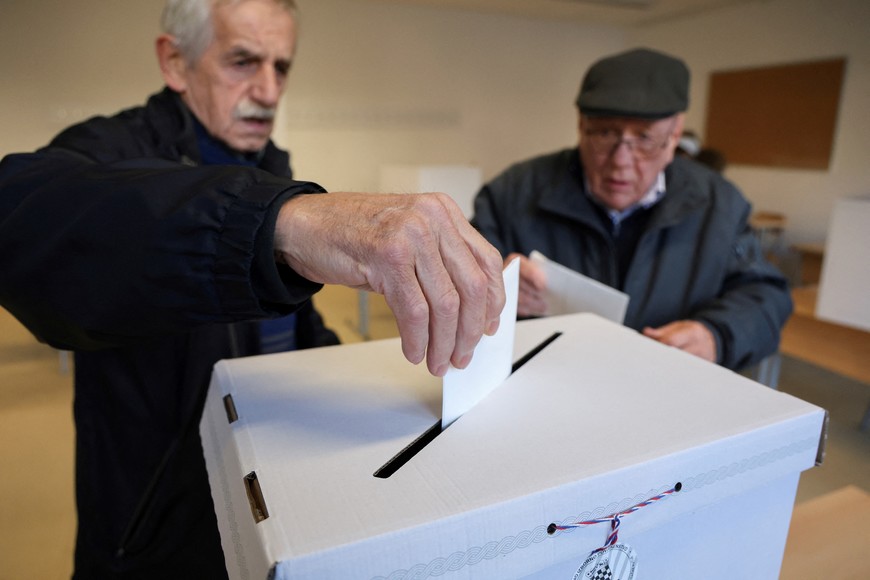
{"x":380,"y":83}
{"x":768,"y":32}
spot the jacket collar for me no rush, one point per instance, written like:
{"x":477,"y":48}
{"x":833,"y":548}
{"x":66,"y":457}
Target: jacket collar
{"x":566,"y":195}
{"x":689,"y":195}
{"x":175,"y":134}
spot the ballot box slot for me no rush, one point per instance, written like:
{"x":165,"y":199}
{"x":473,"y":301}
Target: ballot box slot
{"x":532,"y":353}
{"x":230,"y":408}
{"x":429,"y":435}
{"x":255,"y":497}
{"x":405,"y":455}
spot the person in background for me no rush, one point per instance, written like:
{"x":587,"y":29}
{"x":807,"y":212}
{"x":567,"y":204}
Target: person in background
{"x":712,"y":158}
{"x":152,"y":243}
{"x":623,"y":209}
{"x":689,"y":144}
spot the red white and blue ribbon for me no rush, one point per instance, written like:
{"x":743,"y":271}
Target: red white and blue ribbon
{"x":614,"y":519}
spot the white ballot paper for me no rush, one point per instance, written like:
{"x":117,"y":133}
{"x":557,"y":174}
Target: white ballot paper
{"x":569,"y":292}
{"x":492,"y":360}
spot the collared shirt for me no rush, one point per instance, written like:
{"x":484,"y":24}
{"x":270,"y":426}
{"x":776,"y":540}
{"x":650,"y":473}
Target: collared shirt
{"x":215,"y":152}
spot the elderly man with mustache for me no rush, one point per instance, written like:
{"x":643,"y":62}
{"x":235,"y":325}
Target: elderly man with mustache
{"x":152,"y":243}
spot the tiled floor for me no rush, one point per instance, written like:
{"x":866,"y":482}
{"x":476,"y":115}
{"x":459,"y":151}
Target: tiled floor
{"x":37,"y":521}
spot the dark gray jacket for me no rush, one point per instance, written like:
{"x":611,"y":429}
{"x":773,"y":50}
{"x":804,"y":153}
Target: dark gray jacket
{"x":696,"y":258}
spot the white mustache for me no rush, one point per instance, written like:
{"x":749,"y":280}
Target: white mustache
{"x":248,"y":110}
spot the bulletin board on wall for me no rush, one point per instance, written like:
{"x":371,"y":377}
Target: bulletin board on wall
{"x":776,"y":116}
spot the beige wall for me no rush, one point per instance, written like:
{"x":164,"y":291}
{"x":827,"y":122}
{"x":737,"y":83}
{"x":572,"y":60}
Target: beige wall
{"x":373,"y":83}
{"x":61,"y":61}
{"x":378,"y":83}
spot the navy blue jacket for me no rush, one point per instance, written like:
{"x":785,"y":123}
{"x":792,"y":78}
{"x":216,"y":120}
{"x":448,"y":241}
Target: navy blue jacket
{"x":115,"y":244}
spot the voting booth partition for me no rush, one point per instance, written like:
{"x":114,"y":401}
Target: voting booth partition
{"x":460,"y":182}
{"x":603,"y":452}
{"x":844,"y":288}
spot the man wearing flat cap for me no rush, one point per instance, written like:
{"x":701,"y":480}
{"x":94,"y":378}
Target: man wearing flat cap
{"x":620,"y":208}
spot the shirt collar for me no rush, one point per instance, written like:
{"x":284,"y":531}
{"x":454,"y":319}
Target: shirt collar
{"x":215,"y":152}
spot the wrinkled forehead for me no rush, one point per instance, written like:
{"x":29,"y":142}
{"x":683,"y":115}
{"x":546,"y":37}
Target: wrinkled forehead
{"x":255,"y":23}
{"x":270,"y":6}
{"x":289,"y":5}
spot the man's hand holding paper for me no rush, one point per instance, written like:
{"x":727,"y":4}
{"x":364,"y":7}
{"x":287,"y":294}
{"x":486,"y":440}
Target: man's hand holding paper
{"x":531,"y":300}
{"x":547,"y":288}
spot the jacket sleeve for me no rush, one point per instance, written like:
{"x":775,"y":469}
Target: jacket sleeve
{"x":754,"y":304}
{"x":486,"y":220}
{"x":96,"y":253}
{"x":311,"y":331}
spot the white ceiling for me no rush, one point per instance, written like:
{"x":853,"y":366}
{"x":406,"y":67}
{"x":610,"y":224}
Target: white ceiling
{"x":616,"y":12}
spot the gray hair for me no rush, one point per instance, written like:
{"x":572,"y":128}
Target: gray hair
{"x":189,"y":21}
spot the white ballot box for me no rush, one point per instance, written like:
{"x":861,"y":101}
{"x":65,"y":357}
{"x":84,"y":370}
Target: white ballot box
{"x":670,"y":466}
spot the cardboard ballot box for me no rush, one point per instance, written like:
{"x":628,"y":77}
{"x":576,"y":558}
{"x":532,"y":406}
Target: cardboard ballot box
{"x":595,"y":423}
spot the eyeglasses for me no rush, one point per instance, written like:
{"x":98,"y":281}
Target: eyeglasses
{"x":606,"y":141}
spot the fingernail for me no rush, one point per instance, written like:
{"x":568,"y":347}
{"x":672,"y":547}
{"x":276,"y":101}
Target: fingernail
{"x":463,"y":361}
{"x":441,"y":370}
{"x":492,"y":327}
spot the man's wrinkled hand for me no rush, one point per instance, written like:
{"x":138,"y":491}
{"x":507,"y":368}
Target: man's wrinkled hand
{"x":688,"y":335}
{"x":442,"y":279}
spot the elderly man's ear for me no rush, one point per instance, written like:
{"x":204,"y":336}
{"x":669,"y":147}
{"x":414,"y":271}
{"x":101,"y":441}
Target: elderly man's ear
{"x":173,"y":66}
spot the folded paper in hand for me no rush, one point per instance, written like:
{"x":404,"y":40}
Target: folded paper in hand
{"x":569,"y":292}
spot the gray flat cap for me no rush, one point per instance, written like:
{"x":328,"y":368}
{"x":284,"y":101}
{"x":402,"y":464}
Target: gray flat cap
{"x":639,"y":83}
